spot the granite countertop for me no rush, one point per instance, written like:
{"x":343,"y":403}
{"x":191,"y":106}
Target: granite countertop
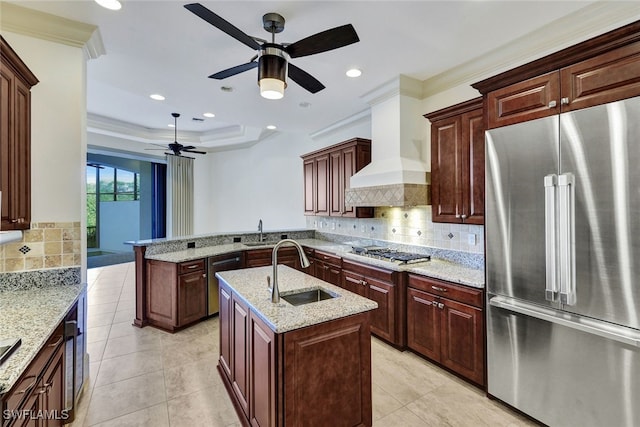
{"x":31,"y":315}
{"x":436,"y":268}
{"x":250,"y":284}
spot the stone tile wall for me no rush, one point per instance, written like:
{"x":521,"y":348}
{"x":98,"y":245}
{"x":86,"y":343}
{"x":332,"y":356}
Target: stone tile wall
{"x":45,"y":245}
{"x":410,"y":226}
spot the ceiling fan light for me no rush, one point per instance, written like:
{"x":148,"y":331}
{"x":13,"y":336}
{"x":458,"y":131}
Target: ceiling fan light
{"x":271,"y":88}
{"x":110,"y":4}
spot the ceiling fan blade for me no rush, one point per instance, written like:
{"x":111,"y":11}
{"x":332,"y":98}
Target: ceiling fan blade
{"x":187,"y":147}
{"x":233,"y":70}
{"x":194,"y":151}
{"x":304,"y":79}
{"x":222,"y":25}
{"x":333,"y":38}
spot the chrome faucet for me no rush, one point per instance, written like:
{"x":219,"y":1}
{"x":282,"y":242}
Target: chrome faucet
{"x":275,"y":292}
{"x":261,"y":238}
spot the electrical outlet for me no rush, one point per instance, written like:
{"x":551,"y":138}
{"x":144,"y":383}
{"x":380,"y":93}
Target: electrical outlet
{"x":471,"y":239}
{"x":236,"y":240}
{"x":333,"y":225}
{"x":191,"y":245}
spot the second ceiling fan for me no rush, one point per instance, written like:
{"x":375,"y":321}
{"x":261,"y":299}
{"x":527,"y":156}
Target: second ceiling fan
{"x":273,"y":58}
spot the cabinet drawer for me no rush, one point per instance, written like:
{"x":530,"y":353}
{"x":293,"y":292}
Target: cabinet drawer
{"x":458,"y":293}
{"x":328,"y":258}
{"x":191,"y":266}
{"x":309,"y":252}
{"x":29,"y":379}
{"x":369,"y":271}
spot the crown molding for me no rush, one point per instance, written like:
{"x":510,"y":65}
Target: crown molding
{"x":41,"y":25}
{"x":229,"y":137}
{"x":346,"y":122}
{"x":400,"y":85}
{"x":590,"y":21}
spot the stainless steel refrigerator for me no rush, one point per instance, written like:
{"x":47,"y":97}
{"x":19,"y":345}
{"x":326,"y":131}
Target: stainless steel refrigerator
{"x":563,"y":266}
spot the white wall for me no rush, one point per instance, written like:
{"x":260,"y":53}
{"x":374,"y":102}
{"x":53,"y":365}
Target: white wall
{"x":234,"y":189}
{"x":119,"y":222}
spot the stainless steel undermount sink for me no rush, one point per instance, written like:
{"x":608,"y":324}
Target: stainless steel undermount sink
{"x":306,"y":297}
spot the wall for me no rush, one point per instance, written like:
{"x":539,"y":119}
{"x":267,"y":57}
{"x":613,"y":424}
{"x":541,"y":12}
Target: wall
{"x":118,"y":223}
{"x":58,"y":146}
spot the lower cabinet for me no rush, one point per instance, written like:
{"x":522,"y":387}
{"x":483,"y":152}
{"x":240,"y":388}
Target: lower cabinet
{"x":176,"y":293}
{"x":382,"y":286}
{"x":37,"y":398}
{"x":327,"y":267}
{"x":307,"y":376}
{"x":445,"y":323}
{"x":262,"y":257}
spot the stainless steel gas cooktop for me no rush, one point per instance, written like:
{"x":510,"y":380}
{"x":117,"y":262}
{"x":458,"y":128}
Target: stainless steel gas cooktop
{"x":388,"y":254}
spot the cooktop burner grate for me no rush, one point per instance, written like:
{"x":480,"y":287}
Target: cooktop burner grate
{"x":391,"y":255}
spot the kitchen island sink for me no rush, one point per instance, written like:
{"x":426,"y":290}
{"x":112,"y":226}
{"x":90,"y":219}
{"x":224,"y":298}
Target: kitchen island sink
{"x":268,"y":350}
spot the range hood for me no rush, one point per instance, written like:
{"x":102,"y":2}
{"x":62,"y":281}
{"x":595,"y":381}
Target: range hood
{"x":397,"y":174}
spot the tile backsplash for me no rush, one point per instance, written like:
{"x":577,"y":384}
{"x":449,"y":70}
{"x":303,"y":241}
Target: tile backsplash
{"x":411,"y":225}
{"x":45,"y":245}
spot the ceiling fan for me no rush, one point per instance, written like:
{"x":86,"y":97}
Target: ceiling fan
{"x":176,"y":148}
{"x":273,"y":58}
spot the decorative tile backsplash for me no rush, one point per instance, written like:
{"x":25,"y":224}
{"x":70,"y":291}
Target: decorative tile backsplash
{"x":409,"y":225}
{"x":45,"y":245}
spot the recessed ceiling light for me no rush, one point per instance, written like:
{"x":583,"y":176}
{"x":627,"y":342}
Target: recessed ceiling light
{"x":304,"y":104}
{"x":226,"y":88}
{"x":110,"y":4}
{"x":171,"y":125}
{"x":157,"y":97}
{"x":271,"y":127}
{"x":354,"y":72}
{"x":209,"y":115}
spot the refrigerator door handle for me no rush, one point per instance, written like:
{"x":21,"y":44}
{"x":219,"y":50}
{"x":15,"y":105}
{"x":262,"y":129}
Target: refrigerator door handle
{"x":585,"y":324}
{"x":550,"y":186}
{"x":566,"y":240}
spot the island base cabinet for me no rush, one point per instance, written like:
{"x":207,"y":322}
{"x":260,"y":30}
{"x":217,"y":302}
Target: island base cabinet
{"x":303,"y":377}
{"x":328,"y":374}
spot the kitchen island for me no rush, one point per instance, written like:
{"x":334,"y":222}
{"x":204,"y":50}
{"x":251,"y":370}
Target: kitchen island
{"x":294,"y":365}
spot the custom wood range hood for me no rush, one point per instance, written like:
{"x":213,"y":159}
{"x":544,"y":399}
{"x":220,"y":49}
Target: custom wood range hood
{"x":397,"y":175}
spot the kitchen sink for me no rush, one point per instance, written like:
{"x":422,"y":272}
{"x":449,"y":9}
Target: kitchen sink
{"x":307,"y":297}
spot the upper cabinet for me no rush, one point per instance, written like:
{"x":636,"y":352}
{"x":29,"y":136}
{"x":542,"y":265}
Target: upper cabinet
{"x":600,"y":70}
{"x":16,"y":81}
{"x":457,"y":163}
{"x":326,"y":178}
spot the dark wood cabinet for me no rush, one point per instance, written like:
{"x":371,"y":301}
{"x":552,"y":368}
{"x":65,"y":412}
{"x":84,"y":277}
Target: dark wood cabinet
{"x":600,"y":70}
{"x":457,"y":163}
{"x":380,"y":285}
{"x":445,"y":323}
{"x":274,"y":379}
{"x":262,"y":257}
{"x":16,"y":81}
{"x":327,"y":267}
{"x":37,"y":398}
{"x":326,"y":178}
{"x":176,"y":293}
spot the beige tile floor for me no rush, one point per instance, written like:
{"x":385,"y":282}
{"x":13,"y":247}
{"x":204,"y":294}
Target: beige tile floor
{"x":145,"y":377}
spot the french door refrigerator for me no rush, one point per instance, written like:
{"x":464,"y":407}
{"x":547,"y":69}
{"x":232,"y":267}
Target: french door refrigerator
{"x":563,"y":266}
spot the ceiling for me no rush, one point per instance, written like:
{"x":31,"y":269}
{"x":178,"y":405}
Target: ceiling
{"x":160,"y":47}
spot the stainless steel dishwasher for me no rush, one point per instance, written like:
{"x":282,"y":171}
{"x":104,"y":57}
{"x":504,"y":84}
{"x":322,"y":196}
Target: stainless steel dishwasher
{"x":232,"y":261}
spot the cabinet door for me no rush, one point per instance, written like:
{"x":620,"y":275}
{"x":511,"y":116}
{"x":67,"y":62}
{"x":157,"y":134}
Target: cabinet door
{"x":336,"y":180}
{"x":354,"y":283}
{"x":446,"y":149}
{"x":240,"y":364}
{"x":523,"y":101}
{"x":21,"y":195}
{"x":225,"y":328}
{"x":52,"y":391}
{"x":6,"y":143}
{"x":192,"y":297}
{"x":472,"y":167}
{"x":262,"y":410}
{"x":322,"y":189}
{"x":462,"y":340}
{"x":382,"y":322}
{"x":605,"y":78}
{"x":309,"y":187}
{"x":423,"y":323}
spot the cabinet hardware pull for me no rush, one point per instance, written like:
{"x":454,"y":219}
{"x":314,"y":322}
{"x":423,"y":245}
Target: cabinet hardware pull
{"x":30,"y":386}
{"x":440,"y":305}
{"x":204,"y":275}
{"x":457,"y":215}
{"x":14,"y":220}
{"x":463,"y":216}
{"x":55,"y":344}
{"x":438,"y":288}
{"x":193,"y":266}
{"x":325,"y":257}
{"x":565,"y":101}
{"x":552,"y":104}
